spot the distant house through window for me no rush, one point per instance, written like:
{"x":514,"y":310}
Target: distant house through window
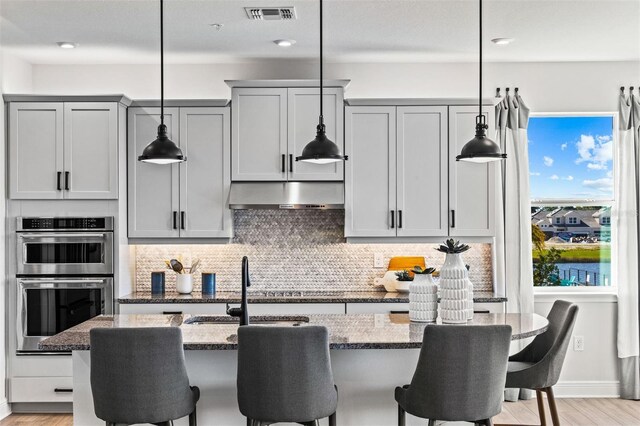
{"x":571,"y":166}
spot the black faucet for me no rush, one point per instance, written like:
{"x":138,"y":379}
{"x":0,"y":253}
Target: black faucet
{"x":242,"y":311}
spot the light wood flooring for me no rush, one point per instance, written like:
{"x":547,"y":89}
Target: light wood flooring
{"x":602,"y":412}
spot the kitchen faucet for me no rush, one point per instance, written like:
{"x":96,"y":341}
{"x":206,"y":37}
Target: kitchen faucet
{"x":242,"y":311}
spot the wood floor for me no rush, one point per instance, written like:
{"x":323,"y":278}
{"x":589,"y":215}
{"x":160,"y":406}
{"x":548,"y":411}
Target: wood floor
{"x":602,"y":412}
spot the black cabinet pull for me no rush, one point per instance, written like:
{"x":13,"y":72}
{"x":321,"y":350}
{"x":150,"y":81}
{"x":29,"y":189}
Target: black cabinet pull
{"x":291,"y":163}
{"x":453,"y":218}
{"x":66,"y":180}
{"x":393,"y":222}
{"x":63,"y":390}
{"x":59,"y":181}
{"x":283,"y":161}
{"x":182,"y":219}
{"x":175,"y":220}
{"x":399,"y":219}
{"x":171,"y":312}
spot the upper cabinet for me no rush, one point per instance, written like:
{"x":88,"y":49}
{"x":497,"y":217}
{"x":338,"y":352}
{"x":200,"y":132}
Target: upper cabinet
{"x":183,"y":200}
{"x":272,"y":125}
{"x":402,"y":179}
{"x":64,"y":150}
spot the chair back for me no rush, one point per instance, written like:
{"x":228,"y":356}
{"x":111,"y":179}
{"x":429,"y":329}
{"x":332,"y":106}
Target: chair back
{"x":284,"y":374}
{"x":138,"y":375}
{"x":461,"y":372}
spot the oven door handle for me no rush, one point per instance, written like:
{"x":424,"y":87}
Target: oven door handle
{"x":69,"y":235}
{"x":54,"y":282}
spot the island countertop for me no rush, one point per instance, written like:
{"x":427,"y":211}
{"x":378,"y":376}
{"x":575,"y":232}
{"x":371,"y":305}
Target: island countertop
{"x":346,"y":331}
{"x":292,"y":296}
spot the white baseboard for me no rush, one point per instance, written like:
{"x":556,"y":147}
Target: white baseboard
{"x":587,"y":389}
{"x":5,"y":408}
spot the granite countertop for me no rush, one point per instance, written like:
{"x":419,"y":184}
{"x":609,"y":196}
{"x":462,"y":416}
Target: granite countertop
{"x":289,"y":297}
{"x":352,"y":331}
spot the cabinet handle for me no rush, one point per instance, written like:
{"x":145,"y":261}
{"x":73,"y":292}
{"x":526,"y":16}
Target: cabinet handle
{"x":393,"y":222}
{"x":59,"y":181}
{"x":66,"y":180}
{"x":453,"y":218}
{"x":183,"y":218}
{"x":63,"y":390}
{"x":399,"y":219}
{"x":171,"y":312}
{"x":283,"y":161}
{"x":175,"y":220}
{"x":291,"y":163}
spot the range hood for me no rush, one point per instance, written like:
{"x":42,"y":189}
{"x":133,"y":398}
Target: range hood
{"x":286,"y":195}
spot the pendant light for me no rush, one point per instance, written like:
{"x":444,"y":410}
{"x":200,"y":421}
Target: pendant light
{"x":481,"y":149}
{"x":321,"y":150}
{"x":162,"y":150}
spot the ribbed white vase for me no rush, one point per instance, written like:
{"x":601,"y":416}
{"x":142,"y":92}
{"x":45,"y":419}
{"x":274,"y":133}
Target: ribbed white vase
{"x":454,"y":302}
{"x":423,"y":299}
{"x":470,"y":295}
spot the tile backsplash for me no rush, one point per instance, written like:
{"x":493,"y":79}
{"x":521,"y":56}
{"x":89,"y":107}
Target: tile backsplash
{"x":296,"y":250}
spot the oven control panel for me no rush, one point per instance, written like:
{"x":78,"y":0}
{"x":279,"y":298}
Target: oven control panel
{"x":64,"y":223}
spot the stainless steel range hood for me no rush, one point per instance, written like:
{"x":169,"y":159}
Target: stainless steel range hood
{"x":286,"y":195}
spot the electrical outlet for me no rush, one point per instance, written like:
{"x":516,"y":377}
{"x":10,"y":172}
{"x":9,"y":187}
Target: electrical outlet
{"x":578,"y":343}
{"x":378,"y":260}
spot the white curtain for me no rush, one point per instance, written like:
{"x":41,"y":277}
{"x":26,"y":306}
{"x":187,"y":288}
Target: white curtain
{"x":514,"y":216}
{"x":625,"y":246}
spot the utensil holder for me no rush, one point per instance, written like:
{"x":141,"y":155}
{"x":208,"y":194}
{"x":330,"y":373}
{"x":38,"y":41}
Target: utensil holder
{"x":184,"y":283}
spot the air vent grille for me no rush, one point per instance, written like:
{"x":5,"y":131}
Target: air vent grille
{"x":270,"y":13}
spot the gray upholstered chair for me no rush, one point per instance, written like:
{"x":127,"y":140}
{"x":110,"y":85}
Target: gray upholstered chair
{"x":539,"y":364}
{"x":284,"y":375}
{"x":138,"y":375}
{"x":460,"y":374}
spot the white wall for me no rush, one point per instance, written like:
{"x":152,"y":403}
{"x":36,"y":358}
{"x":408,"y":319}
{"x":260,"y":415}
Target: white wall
{"x":546,"y":87}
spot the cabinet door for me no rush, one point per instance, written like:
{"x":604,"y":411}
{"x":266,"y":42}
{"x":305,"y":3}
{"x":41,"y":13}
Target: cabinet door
{"x":204,"y":177}
{"x":153,"y":188}
{"x":303,"y":111}
{"x":36,"y":152}
{"x":370,"y":178}
{"x":422,"y":171}
{"x":91,"y":150}
{"x":259,"y":135}
{"x":472,"y":195}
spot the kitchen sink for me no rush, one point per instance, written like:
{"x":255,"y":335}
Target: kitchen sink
{"x":293,"y":321}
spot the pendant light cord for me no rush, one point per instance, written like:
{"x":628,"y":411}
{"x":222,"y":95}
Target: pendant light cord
{"x":161,"y":62}
{"x":480,"y":65}
{"x":321,"y":72}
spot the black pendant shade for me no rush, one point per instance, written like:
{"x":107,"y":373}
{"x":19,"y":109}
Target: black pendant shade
{"x":480,"y":149}
{"x":321,"y":150}
{"x":162,"y":150}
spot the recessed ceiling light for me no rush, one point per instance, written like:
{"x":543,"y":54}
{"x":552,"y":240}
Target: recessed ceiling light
{"x":284,"y":43}
{"x":217,"y":27}
{"x":67,"y":44}
{"x":501,"y":41}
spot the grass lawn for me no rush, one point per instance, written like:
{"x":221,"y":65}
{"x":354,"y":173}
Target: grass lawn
{"x":579,"y":253}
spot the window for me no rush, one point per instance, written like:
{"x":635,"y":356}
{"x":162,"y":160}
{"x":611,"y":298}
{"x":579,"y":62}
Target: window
{"x":571,"y":166}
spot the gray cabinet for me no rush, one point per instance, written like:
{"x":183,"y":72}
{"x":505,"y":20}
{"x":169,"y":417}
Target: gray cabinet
{"x":187,"y":200}
{"x":272,"y":125}
{"x":472,"y":186}
{"x":396,"y":176}
{"x":63,"y":150}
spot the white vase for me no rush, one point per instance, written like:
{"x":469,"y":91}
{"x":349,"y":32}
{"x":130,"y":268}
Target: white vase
{"x":423,"y":299}
{"x":454,"y":305}
{"x":470,"y":295}
{"x":184,"y":283}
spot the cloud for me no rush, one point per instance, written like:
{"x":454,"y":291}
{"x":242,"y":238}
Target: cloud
{"x":596,"y":166}
{"x":604,"y":184}
{"x":535,"y":173}
{"x":569,"y":178}
{"x":597,"y":151}
{"x":610,"y":174}
{"x":548,"y":161}
{"x":585,"y":145}
{"x":564,"y":146}
{"x":554,"y":177}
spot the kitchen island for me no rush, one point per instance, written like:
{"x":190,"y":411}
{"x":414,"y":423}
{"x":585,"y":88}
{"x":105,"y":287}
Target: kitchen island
{"x":371,"y":354}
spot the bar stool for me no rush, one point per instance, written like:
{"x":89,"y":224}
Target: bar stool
{"x":460,"y":374}
{"x":284,"y":375}
{"x":138,"y":375}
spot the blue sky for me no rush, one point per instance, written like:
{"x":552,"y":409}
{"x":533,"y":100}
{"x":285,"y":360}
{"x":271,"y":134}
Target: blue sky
{"x":571,"y":157}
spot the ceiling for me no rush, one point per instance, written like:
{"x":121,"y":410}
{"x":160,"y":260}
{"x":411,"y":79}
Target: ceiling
{"x":126,"y":31}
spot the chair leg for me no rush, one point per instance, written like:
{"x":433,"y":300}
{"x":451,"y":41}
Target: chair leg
{"x":333,"y":419}
{"x":552,"y":407}
{"x":488,"y":422}
{"x":540,"y":400}
{"x":193,"y":418}
{"x":402,"y":421}
{"x":432,"y":422}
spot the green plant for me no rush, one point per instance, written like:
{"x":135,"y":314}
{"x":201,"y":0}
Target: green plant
{"x":403,"y":276}
{"x":545,"y":271}
{"x":426,"y":271}
{"x":451,"y":246}
{"x":538,"y":237}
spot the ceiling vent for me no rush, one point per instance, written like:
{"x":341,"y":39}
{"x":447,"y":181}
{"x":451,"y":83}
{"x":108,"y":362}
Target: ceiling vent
{"x":270,"y":13}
